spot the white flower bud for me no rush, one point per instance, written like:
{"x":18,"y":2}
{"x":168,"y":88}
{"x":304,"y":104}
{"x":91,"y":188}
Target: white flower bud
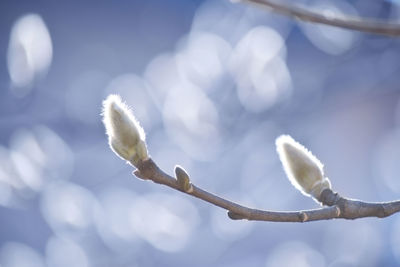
{"x":304,"y":170}
{"x":125,"y":136}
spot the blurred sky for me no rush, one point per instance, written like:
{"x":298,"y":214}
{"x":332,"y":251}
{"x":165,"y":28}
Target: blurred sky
{"x":213,"y":84}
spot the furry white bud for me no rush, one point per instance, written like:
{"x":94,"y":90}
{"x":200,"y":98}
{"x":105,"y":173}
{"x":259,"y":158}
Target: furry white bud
{"x":125,"y":136}
{"x":303,"y":169}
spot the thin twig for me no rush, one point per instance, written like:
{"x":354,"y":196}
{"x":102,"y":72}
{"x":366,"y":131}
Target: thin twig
{"x":338,"y":207}
{"x":342,"y":21}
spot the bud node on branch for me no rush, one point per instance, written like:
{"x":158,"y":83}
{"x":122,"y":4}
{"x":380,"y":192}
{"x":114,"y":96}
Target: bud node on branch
{"x":235,"y":216}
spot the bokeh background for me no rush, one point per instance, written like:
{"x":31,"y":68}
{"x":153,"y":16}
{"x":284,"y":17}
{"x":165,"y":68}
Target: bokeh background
{"x":213,"y":84}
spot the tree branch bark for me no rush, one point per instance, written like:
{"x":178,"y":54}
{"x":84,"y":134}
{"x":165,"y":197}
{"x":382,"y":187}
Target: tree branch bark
{"x":336,"y":206}
{"x":346,"y":22}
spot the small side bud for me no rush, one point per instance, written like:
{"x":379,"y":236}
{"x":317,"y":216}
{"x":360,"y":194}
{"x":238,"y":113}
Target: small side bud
{"x":125,"y":136}
{"x":235,"y":216}
{"x":303,"y":169}
{"x":183,"y":179}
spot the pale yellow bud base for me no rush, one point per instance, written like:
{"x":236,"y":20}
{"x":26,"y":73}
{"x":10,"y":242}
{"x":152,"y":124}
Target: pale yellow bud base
{"x":319,"y":187}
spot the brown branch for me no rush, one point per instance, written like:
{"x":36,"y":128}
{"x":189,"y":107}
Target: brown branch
{"x":338,"y":207}
{"x":347,"y":22}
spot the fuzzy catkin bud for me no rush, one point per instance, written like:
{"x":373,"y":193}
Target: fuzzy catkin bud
{"x":125,"y":136}
{"x":303,"y":169}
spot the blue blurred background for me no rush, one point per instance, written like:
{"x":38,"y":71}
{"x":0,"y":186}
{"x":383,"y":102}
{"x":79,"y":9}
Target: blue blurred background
{"x":213,"y":84}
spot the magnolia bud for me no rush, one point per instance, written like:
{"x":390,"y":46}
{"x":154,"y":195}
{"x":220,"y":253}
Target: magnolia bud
{"x":304,"y":170}
{"x":125,"y":136}
{"x":183,"y":179}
